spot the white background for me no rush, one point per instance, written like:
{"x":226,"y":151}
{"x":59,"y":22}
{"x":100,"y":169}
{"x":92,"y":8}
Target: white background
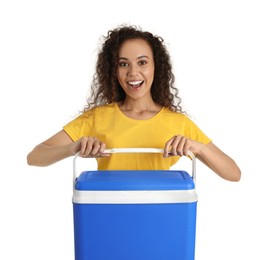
{"x":225,"y":61}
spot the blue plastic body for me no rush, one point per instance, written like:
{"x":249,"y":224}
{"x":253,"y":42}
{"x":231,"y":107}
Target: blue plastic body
{"x":162,"y":231}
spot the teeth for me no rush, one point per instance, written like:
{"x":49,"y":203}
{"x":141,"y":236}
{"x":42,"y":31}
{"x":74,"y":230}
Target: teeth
{"x":133,"y":83}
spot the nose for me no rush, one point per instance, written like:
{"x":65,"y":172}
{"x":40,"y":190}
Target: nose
{"x":133,"y":70}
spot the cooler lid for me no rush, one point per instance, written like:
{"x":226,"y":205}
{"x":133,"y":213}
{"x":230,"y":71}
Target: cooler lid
{"x":134,"y":180}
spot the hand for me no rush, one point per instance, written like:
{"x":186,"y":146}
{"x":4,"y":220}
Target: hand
{"x":180,"y":145}
{"x":90,"y":147}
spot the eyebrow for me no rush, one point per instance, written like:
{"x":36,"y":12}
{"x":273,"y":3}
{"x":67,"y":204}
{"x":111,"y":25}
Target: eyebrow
{"x":139,"y":57}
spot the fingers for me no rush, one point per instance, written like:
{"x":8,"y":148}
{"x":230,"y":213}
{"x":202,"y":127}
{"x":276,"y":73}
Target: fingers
{"x":167,"y":148}
{"x":177,"y":145}
{"x":92,"y":147}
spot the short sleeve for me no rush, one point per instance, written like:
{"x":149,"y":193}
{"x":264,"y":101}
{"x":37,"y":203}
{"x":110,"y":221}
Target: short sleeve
{"x":193,"y":132}
{"x":80,"y":126}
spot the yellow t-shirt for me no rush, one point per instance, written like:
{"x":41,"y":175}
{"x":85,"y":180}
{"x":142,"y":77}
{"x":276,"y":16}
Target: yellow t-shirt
{"x":112,"y":127}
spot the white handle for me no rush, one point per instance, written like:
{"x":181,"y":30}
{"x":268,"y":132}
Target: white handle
{"x":138,"y":150}
{"x":134,"y":150}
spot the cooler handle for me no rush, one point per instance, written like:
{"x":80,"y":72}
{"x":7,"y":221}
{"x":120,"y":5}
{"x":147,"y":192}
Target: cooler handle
{"x":138,"y":150}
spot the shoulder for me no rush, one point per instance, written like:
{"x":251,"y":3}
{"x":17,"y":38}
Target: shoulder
{"x":175,"y":115}
{"x":99,"y":110}
{"x":107,"y":107}
{"x":178,"y":119}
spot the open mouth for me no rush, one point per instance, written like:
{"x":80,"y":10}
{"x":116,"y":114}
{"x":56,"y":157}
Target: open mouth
{"x":135,"y":84}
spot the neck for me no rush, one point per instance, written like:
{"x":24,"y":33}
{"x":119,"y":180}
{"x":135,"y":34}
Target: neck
{"x":139,"y":110}
{"x":139,"y":105}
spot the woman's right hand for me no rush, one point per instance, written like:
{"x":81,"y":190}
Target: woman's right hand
{"x":89,"y":147}
{"x":61,"y":146}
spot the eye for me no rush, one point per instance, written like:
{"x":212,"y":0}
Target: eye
{"x":123,"y":64}
{"x":142,"y":62}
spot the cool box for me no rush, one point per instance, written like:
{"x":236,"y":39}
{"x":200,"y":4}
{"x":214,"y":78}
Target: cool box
{"x":134,"y":215}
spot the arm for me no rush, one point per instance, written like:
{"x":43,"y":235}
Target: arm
{"x":219,"y":162}
{"x":61,"y":146}
{"x":209,"y":154}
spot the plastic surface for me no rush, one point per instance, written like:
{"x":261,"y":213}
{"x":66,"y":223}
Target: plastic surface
{"x":135,"y":232}
{"x":134,"y":180}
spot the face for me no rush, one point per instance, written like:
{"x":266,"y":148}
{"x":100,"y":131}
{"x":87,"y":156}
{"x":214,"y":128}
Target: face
{"x":135,"y":71}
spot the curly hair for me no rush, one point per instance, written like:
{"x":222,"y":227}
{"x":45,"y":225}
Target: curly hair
{"x":105,"y":88}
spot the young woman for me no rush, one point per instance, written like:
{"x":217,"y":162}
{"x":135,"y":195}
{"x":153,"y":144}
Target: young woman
{"x":133,"y":103}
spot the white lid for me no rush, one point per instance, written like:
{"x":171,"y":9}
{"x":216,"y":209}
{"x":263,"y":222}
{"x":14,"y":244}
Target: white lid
{"x":134,"y":197}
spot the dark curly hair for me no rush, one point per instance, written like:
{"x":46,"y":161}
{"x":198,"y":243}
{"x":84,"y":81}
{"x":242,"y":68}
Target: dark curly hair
{"x":105,"y":88}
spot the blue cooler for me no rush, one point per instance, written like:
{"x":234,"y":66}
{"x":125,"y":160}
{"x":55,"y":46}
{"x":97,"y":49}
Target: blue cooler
{"x":134,"y":215}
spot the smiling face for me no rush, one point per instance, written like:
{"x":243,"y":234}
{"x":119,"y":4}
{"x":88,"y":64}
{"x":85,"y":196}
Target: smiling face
{"x":135,"y":70}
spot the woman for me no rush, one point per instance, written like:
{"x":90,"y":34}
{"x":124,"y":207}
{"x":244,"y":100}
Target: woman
{"x":133,"y":103}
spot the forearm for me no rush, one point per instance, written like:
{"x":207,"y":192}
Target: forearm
{"x":219,"y":162}
{"x":44,"y":155}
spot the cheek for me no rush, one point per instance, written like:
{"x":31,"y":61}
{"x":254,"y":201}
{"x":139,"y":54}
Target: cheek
{"x":149,"y":74}
{"x":121,"y":79}
{"x":119,"y":76}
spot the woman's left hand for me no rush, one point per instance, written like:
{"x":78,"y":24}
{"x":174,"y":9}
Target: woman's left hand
{"x":209,"y":154}
{"x":180,"y":145}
